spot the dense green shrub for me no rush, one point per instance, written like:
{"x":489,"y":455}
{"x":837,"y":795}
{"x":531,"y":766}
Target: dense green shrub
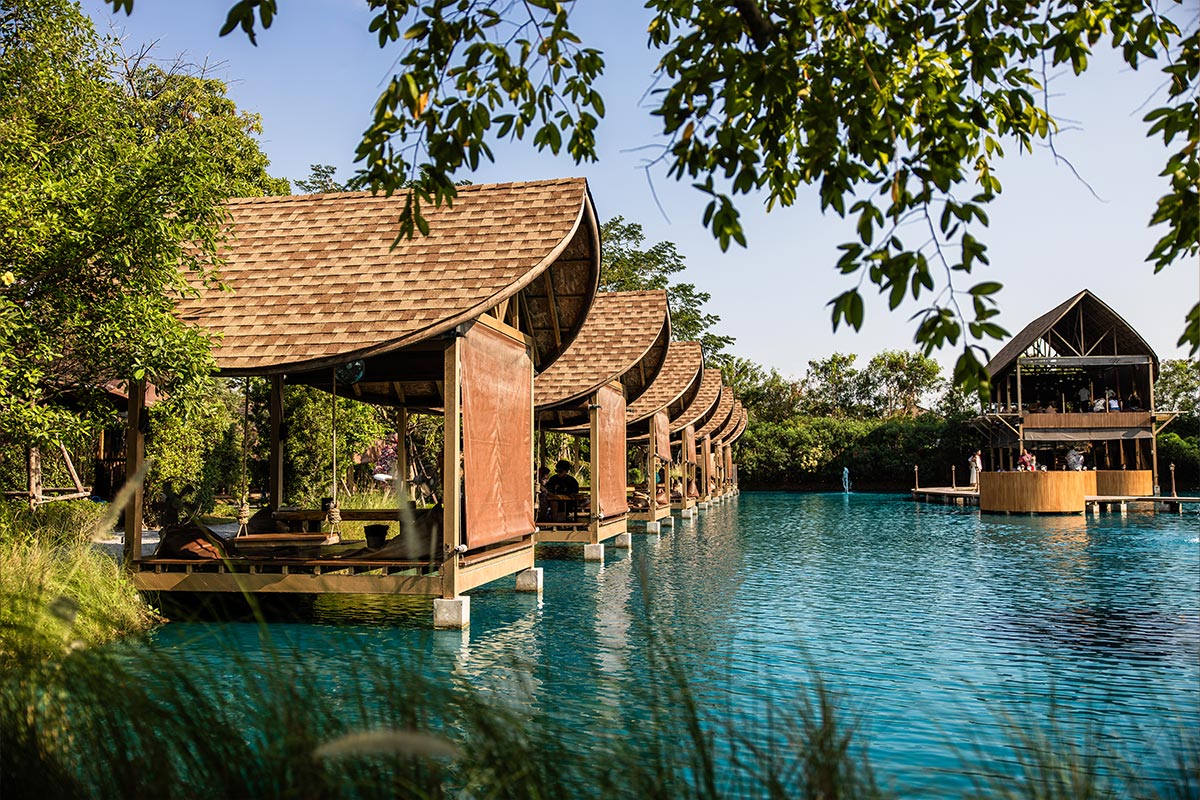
{"x":1184,"y":453}
{"x":57,"y":591}
{"x":811,"y":452}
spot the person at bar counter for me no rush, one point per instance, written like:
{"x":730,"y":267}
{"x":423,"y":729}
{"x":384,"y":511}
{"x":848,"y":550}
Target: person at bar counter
{"x":563,"y":482}
{"x":1027,"y":462}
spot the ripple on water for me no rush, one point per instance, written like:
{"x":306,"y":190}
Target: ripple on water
{"x":939,"y":628}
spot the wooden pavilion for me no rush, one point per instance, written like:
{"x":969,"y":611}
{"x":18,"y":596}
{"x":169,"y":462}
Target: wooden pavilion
{"x":722,"y":451}
{"x":456,"y":322}
{"x":618,"y":354}
{"x":1075,"y":384}
{"x":738,"y":428}
{"x":708,"y":444}
{"x":683,"y":429}
{"x":649,"y":421}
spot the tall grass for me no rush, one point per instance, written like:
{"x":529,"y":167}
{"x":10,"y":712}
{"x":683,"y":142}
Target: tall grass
{"x":57,"y":591}
{"x":136,"y":722}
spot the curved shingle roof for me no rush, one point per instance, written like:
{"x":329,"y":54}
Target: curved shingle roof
{"x":703,"y":404}
{"x":319,"y":280}
{"x":621,"y":339}
{"x":721,"y":416}
{"x":675,"y":386}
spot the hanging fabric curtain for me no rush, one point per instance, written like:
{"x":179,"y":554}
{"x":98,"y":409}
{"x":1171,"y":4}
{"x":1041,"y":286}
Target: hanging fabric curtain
{"x":662,"y":436}
{"x":497,"y":412}
{"x":610,"y":418}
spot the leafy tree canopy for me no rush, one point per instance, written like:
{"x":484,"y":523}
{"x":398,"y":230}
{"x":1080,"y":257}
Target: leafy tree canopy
{"x":627,"y":266}
{"x":896,"y":112}
{"x":1178,"y":386}
{"x":112,"y":174}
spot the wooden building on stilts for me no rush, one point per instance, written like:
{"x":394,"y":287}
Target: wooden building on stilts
{"x":649,"y":422}
{"x":617,"y":355}
{"x":1075,"y":388}
{"x":683,"y":429}
{"x":738,"y":422}
{"x":708,"y":445}
{"x":456,"y":322}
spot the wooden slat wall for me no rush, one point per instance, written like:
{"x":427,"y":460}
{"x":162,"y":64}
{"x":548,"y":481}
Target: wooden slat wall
{"x":1124,"y":482}
{"x":1098,"y":419}
{"x":1024,"y":492}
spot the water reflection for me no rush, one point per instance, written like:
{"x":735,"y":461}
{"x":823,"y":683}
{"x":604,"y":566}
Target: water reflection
{"x":934,"y":621}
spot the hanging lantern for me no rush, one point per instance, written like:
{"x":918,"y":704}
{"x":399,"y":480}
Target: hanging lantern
{"x":350,"y":373}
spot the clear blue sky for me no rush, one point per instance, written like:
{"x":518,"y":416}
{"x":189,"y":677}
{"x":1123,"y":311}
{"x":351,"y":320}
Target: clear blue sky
{"x":317,"y":71}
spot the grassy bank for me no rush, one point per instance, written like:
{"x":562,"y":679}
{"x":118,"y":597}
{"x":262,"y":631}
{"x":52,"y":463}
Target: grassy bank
{"x":57,"y":591}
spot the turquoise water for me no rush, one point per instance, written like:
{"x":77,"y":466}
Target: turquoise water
{"x":937,"y":627}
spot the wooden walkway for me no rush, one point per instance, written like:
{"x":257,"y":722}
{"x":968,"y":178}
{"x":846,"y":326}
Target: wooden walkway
{"x":965,"y":496}
{"x":1121,"y":503}
{"x":951,"y":495}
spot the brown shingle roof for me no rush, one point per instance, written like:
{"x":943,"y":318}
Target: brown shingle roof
{"x":736,"y":425}
{"x":724,"y":410}
{"x":675,"y":385}
{"x":619,"y":332}
{"x":1097,"y":320}
{"x":703,"y":404}
{"x":317,"y":281}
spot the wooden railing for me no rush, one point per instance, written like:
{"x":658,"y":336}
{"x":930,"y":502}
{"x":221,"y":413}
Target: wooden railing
{"x":1094,"y":419}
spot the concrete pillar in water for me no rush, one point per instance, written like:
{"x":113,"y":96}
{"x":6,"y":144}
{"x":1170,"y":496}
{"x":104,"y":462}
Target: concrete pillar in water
{"x":593,"y":552}
{"x":653,"y":527}
{"x":452,"y":613}
{"x":623,"y":540}
{"x":668,"y":520}
{"x":529,"y":580}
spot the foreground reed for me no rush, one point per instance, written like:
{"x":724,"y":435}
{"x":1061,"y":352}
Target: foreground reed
{"x":132,"y":720}
{"x":57,"y":591}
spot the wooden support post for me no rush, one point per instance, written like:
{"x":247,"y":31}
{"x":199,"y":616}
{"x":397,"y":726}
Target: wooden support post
{"x":651,"y":474}
{"x":594,"y":466}
{"x":62,"y":448}
{"x":135,"y":456}
{"x":916,"y":477}
{"x":452,"y":469}
{"x":402,"y":467}
{"x":953,"y":476}
{"x":1173,"y":492}
{"x":275,"y":458}
{"x":33,"y":461}
{"x":1153,"y":438}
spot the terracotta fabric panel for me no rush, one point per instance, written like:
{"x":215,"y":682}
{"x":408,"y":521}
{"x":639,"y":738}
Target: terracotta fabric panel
{"x":706,"y":455}
{"x":497,"y":403}
{"x":610,"y":419}
{"x":662,"y":436}
{"x":728,"y":462}
{"x":689,"y":445}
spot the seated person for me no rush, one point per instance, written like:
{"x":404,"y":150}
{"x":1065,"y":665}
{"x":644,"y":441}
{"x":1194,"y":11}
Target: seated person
{"x":562,"y":482}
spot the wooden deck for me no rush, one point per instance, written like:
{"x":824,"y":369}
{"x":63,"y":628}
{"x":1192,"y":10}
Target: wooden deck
{"x":1096,"y":503}
{"x":359,"y":575}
